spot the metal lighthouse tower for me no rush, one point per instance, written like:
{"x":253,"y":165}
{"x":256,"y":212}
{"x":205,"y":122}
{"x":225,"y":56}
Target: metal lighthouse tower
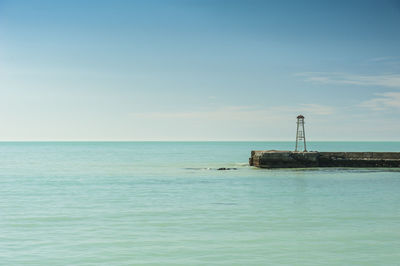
{"x":300,"y":134}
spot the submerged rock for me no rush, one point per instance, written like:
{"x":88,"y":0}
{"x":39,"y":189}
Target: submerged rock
{"x":225,"y":168}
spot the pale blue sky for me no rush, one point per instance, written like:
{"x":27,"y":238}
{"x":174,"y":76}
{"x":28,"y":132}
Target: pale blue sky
{"x":199,"y":70}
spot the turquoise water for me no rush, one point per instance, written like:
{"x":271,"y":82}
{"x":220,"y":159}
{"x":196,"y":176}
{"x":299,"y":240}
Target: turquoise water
{"x":138,"y":203}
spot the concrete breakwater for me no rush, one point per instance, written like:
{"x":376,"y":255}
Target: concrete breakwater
{"x":289,"y":159}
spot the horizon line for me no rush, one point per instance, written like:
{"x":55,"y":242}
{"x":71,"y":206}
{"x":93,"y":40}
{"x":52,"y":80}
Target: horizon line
{"x":3,"y":141}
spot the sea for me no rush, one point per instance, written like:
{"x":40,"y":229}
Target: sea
{"x":165,"y":203}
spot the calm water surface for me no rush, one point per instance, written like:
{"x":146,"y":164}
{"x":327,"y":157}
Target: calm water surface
{"x":128,"y":203}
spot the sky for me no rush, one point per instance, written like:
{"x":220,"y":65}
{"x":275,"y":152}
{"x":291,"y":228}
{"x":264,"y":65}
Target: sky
{"x":181,"y":70}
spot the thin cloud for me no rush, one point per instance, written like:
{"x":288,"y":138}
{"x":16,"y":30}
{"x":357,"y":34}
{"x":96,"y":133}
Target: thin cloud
{"x":242,"y":113}
{"x":383,"y":101}
{"x":317,"y":109}
{"x":384,"y":80}
{"x":391,"y":59}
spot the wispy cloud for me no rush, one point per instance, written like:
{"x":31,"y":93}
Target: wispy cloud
{"x":391,"y":59}
{"x":317,"y":109}
{"x":384,"y":80}
{"x":242,"y":113}
{"x":227,"y":122}
{"x":383,"y":101}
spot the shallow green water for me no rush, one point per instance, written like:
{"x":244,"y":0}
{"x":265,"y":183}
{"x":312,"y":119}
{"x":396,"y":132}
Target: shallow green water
{"x":164,"y":203}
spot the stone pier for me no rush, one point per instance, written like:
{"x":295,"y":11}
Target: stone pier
{"x":290,"y":159}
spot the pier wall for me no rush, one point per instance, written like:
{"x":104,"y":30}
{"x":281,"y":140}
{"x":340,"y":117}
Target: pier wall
{"x":289,"y":159}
